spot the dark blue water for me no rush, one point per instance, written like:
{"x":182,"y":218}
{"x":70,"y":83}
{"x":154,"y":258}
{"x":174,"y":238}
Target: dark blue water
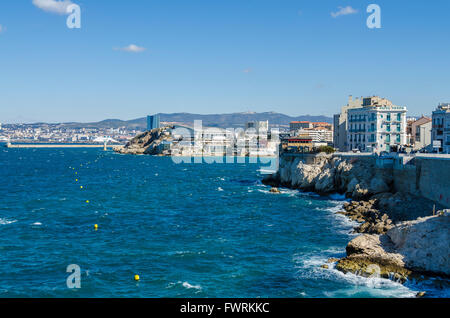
{"x":188,"y":230}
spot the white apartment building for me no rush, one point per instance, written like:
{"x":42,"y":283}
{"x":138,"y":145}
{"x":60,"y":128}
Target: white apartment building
{"x":376,"y":126}
{"x":441,"y":127}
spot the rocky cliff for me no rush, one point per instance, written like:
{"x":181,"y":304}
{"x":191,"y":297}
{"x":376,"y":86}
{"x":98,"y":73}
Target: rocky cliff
{"x":408,"y":249}
{"x":358,"y":178}
{"x":399,"y":235}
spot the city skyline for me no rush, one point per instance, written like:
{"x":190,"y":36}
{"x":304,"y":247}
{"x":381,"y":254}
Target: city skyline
{"x":135,"y":58}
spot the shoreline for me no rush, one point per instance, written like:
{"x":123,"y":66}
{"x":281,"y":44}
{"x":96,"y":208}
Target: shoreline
{"x":351,"y":263}
{"x":398,"y":235}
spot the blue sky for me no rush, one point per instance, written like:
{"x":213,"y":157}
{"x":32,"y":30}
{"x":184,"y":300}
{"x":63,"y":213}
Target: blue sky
{"x":218,"y":56}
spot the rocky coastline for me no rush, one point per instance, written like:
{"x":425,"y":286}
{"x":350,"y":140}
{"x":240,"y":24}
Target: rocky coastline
{"x":146,"y":143}
{"x":400,"y":237}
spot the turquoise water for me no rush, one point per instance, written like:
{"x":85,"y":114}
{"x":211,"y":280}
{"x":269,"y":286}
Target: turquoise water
{"x":188,"y":230}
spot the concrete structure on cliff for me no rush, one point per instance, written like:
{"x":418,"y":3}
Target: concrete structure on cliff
{"x":441,"y":127}
{"x":376,"y":126}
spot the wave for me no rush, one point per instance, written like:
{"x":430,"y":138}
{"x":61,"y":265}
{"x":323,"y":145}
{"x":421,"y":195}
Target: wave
{"x":309,"y":267}
{"x":189,"y":286}
{"x":7,"y":221}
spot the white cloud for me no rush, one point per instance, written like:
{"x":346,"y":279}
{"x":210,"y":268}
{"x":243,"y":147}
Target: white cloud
{"x":53,"y":6}
{"x":2,"y":28}
{"x":132,"y":48}
{"x":247,"y":70}
{"x":344,"y":11}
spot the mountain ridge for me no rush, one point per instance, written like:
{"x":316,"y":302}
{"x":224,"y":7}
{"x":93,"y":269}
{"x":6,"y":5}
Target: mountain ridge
{"x":227,"y":120}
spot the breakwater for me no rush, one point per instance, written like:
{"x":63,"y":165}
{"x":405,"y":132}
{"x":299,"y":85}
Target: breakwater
{"x":56,"y":146}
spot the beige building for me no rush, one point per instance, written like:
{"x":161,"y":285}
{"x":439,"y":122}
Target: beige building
{"x":340,"y":123}
{"x":421,"y":132}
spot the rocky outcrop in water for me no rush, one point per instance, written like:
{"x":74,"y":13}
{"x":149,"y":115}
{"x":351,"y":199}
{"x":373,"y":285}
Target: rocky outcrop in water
{"x":373,"y":255}
{"x":371,"y":219}
{"x":406,"y":250}
{"x":146,"y":143}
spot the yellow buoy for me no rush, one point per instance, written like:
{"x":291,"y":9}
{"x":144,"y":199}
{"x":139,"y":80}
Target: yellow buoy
{"x":76,"y":180}
{"x":136,"y":277}
{"x":87,"y":201}
{"x":96,"y":227}
{"x":81,"y":187}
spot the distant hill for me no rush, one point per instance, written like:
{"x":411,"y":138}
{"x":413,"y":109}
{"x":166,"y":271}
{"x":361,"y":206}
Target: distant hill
{"x":214,"y":120}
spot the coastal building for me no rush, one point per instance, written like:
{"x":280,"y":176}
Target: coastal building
{"x":318,"y":135}
{"x":300,"y":144}
{"x":409,"y":134}
{"x":441,"y":128}
{"x":421,"y":133}
{"x":153,"y":122}
{"x":377,"y":126}
{"x":296,"y":125}
{"x":340,"y":124}
{"x":322,"y":125}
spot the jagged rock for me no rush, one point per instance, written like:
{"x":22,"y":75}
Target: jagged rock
{"x":333,"y":260}
{"x":424,"y":243}
{"x":325,"y":181}
{"x":373,"y":255}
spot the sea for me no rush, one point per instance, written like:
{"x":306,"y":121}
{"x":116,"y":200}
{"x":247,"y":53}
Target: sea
{"x":187,"y":229}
